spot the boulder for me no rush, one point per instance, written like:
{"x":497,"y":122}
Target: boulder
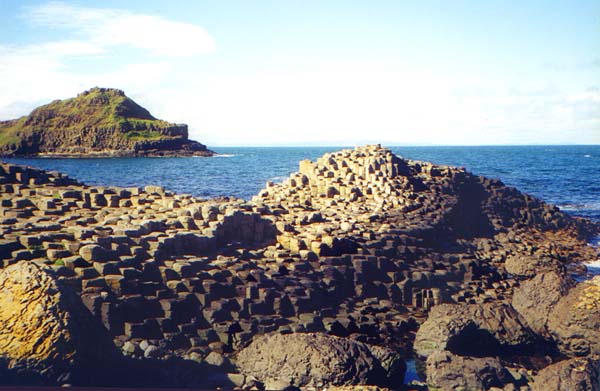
{"x":447,"y":371}
{"x":536,"y":297}
{"x":45,"y":328}
{"x":473,"y":330}
{"x":576,"y":374}
{"x":317,"y":360}
{"x":529,"y":265}
{"x":218,"y":361}
{"x":574,"y":322}
{"x":392,"y":363}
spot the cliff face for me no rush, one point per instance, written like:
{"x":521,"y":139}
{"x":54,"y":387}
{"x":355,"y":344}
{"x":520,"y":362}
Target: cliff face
{"x":98,"y":122}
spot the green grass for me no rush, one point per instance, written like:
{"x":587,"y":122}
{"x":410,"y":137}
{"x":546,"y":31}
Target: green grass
{"x":7,"y":136}
{"x":139,"y":135}
{"x":95,"y":109}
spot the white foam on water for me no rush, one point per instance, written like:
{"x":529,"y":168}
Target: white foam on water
{"x":220,"y":155}
{"x":594,"y":266}
{"x":278,"y":179}
{"x":583,"y":206}
{"x":570,"y":207}
{"x":587,"y":155}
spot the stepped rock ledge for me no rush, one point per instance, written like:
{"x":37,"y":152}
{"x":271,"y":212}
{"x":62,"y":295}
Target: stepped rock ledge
{"x":332,"y":278}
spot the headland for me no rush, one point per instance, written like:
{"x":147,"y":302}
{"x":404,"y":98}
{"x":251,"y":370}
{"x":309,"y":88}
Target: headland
{"x":100,"y":122}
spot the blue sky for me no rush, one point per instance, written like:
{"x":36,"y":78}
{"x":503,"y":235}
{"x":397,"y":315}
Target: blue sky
{"x":320,"y":72}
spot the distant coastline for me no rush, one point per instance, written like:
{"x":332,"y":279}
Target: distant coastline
{"x":100,"y":122}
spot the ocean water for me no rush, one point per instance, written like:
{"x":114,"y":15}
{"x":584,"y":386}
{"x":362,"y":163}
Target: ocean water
{"x":567,"y":176}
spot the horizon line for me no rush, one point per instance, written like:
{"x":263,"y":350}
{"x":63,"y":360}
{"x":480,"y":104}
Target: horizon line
{"x":394,"y":145}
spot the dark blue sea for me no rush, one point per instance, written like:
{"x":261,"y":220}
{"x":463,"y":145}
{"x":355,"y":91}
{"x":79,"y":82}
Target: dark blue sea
{"x":567,"y":176}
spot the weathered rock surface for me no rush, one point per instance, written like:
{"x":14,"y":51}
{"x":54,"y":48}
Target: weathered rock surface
{"x":530,"y":266}
{"x":315,"y":360}
{"x":447,"y":372}
{"x":473,"y":329}
{"x":535,"y":298}
{"x":576,"y":374}
{"x":574,"y":322}
{"x":98,"y":122}
{"x":45,"y":328}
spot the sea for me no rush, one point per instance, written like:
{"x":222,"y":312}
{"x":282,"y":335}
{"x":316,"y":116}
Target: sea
{"x":566,"y":176}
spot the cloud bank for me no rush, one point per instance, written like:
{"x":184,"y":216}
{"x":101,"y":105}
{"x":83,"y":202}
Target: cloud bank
{"x":36,"y":73}
{"x":107,"y":28}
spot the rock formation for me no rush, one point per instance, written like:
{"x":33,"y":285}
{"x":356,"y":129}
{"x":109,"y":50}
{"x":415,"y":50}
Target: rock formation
{"x":473,"y":329}
{"x":576,"y":374}
{"x":98,"y":122}
{"x":446,"y":371}
{"x":317,"y":360}
{"x":574,"y":321}
{"x":534,"y":299}
{"x":361,"y":245}
{"x":46,"y":330}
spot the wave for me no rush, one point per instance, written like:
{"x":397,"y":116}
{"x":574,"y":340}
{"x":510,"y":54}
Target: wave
{"x":278,"y":179}
{"x":587,"y":155}
{"x":225,"y":155}
{"x":571,"y":207}
{"x":593,"y":268}
{"x":586,"y":206}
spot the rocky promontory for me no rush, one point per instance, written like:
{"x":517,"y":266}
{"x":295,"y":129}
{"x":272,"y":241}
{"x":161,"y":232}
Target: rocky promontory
{"x":335,"y":277}
{"x":99,"y":122}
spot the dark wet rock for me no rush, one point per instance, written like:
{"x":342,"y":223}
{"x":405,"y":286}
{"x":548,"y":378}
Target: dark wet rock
{"x":392,"y":363}
{"x":536,"y":297}
{"x":473,"y":330}
{"x":576,"y":374}
{"x":447,"y":372}
{"x":317,"y":360}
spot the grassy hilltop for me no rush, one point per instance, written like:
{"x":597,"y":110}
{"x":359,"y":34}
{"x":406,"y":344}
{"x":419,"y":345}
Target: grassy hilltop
{"x":98,"y":122}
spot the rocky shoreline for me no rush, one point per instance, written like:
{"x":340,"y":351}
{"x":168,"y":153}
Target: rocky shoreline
{"x":189,"y":152}
{"x":355,"y":263}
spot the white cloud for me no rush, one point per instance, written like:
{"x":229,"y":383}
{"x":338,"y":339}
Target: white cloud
{"x":110,"y":27}
{"x":36,"y":73}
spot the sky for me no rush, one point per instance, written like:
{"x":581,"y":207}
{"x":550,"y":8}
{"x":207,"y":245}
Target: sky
{"x":262,"y":73}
